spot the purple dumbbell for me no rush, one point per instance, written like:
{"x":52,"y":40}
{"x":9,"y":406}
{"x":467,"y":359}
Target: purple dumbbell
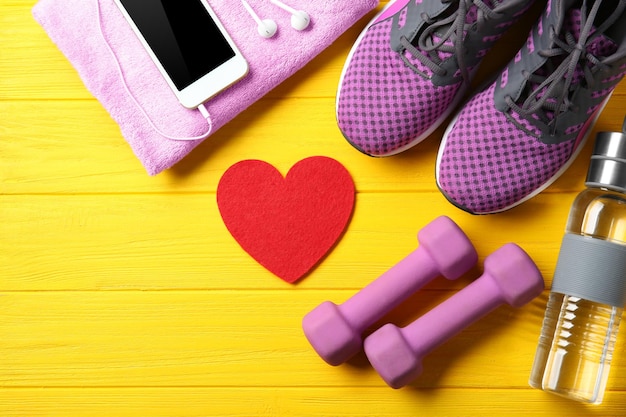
{"x":335,"y":332}
{"x":510,"y":277}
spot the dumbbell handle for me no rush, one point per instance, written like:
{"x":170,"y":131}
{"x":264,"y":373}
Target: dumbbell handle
{"x":390,"y":289}
{"x":453,"y":315}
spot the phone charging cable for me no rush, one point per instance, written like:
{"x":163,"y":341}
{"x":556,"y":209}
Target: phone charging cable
{"x":202,"y":108}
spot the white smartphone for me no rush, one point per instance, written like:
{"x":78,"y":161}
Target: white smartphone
{"x":188,"y":44}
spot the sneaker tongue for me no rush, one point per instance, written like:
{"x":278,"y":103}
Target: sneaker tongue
{"x":600,"y":46}
{"x":471,"y":17}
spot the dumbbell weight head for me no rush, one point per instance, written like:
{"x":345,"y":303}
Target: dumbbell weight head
{"x":515,"y":274}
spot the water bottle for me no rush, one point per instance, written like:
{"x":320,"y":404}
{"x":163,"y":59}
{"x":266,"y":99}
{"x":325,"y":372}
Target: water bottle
{"x":588,"y":291}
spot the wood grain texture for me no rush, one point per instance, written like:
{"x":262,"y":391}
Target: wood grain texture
{"x":234,"y":338}
{"x":313,"y":401}
{"x":124,"y":295}
{"x":165,"y":241}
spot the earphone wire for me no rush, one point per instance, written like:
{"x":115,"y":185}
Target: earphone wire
{"x":202,"y":108}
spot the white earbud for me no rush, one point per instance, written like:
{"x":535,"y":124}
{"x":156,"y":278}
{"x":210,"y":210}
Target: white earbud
{"x":300,"y":19}
{"x":266,"y":27}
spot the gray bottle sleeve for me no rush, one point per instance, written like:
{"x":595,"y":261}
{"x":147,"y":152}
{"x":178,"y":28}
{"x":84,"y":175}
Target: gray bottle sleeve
{"x":593,"y":269}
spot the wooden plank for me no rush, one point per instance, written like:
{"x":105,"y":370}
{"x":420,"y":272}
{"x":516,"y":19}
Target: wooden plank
{"x":79,"y":143}
{"x":86,"y":242}
{"x":236,"y":338}
{"x":343,"y":401}
{"x":74,"y":147}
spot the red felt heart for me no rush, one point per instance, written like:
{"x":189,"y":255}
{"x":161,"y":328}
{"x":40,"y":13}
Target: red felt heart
{"x":286,"y":224}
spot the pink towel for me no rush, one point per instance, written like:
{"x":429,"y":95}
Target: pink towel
{"x":73,"y":27}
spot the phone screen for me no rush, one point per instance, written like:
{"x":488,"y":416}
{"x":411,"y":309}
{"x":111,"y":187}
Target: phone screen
{"x":182,"y":35}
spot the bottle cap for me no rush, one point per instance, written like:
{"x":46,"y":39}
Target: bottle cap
{"x":608,"y":161}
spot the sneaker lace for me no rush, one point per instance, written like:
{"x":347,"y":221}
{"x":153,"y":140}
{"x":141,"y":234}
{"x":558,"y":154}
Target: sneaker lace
{"x":550,"y":96}
{"x":430,"y":43}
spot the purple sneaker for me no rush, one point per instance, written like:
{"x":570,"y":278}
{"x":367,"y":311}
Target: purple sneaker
{"x":412,"y":65}
{"x":513,"y":139}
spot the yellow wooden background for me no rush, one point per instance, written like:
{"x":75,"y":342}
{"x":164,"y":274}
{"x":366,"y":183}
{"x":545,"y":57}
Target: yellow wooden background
{"x":124,"y":295}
